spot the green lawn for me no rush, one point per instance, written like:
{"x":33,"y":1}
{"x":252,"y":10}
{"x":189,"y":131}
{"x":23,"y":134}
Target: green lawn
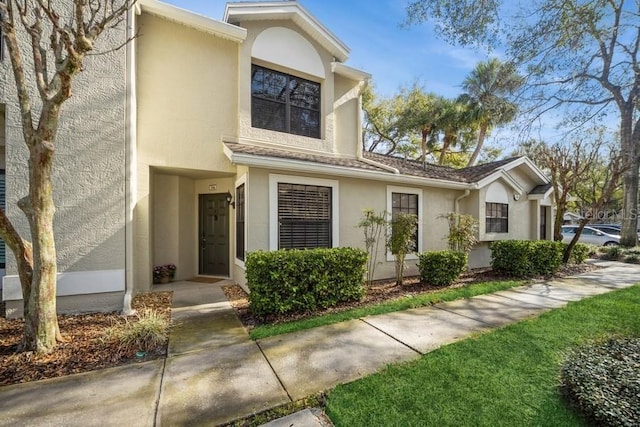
{"x":508,"y":377}
{"x":405,"y":303}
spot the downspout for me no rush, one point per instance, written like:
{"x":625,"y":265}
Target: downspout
{"x":361,"y":86}
{"x":456,"y":207}
{"x":130,"y":158}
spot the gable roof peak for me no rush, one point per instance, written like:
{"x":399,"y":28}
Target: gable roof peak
{"x":236,"y":12}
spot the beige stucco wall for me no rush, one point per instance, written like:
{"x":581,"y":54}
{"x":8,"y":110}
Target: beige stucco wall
{"x":354,"y":195}
{"x":344,"y":117}
{"x":89,"y":176}
{"x":347,"y":132}
{"x":187,"y":101}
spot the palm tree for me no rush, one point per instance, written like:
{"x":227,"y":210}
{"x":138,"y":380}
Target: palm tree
{"x":423,"y":114}
{"x":486,"y":92}
{"x":453,"y":122}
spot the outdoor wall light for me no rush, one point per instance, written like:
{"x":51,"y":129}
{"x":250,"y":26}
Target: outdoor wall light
{"x":229,"y":200}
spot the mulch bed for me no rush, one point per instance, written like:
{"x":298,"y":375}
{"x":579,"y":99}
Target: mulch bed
{"x":376,"y":292}
{"x":84,"y":349}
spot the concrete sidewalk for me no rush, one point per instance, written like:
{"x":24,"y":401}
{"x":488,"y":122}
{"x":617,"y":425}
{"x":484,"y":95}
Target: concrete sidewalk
{"x":214,"y":373}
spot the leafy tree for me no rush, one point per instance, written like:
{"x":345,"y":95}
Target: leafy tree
{"x":372,"y":225}
{"x":383,"y":129}
{"x":486,"y":92}
{"x":579,"y":54}
{"x":59,"y":36}
{"x":401,"y":240}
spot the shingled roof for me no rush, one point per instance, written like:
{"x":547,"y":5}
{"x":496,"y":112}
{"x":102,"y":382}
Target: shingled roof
{"x":293,"y":155}
{"x":405,"y":167}
{"x":415,"y":168}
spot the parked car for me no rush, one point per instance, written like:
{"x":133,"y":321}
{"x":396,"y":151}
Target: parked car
{"x":590,"y":235}
{"x":608,"y":228}
{"x":614,"y":229}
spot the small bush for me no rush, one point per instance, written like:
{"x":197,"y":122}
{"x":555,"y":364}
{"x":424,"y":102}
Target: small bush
{"x":145,"y":333}
{"x":612,"y":253}
{"x":632,"y":258}
{"x":289,"y":281}
{"x":525,"y":258}
{"x":603,"y":382}
{"x":581,"y":252}
{"x":441,"y":268}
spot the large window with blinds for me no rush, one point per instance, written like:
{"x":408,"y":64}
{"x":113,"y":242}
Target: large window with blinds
{"x":284,"y":103}
{"x":240,"y":215}
{"x":304,"y":216}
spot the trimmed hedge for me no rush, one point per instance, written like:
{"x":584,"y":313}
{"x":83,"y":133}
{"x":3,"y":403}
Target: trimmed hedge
{"x":441,"y":268}
{"x":526,"y":258}
{"x":603,"y":382}
{"x":289,"y":281}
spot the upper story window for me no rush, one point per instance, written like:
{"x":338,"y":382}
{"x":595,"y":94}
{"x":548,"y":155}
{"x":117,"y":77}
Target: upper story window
{"x":284,"y":103}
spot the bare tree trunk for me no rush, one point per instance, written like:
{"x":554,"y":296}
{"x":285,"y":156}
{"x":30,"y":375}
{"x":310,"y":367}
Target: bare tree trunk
{"x":481,"y":136}
{"x":41,"y":322}
{"x":628,"y":235}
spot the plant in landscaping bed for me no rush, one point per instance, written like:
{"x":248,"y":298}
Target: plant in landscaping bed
{"x":581,"y":252}
{"x":603,"y":382}
{"x":373,"y":225}
{"x":401,"y":240}
{"x":146,"y":333}
{"x":462,"y":231}
{"x":612,"y":253}
{"x":289,"y":281}
{"x":441,"y":268}
{"x":525,"y":258}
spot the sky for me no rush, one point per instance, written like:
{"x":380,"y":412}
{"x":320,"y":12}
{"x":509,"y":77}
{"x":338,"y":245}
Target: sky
{"x":396,"y":56}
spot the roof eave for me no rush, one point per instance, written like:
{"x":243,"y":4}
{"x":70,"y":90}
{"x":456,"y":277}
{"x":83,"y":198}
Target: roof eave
{"x":194,"y":20}
{"x":252,"y":11}
{"x":343,"y":171}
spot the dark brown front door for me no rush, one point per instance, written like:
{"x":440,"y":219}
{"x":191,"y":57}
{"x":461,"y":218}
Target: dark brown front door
{"x":214,"y":235}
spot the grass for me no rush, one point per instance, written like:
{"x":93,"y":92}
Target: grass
{"x":400,"y":304}
{"x":508,"y":377}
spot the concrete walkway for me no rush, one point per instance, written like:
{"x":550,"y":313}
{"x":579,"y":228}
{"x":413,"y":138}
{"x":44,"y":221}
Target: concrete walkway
{"x":214,"y":373}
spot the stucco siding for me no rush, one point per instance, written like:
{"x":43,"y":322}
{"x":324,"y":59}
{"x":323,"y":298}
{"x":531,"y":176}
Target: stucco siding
{"x":347,"y":133}
{"x":89,"y":175}
{"x":326,"y":142}
{"x":187,"y":96}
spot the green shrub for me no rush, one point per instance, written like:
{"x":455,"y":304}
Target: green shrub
{"x":603,"y":382}
{"x":632,"y":258}
{"x":144,"y":333}
{"x":441,"y":268}
{"x":581,"y":252}
{"x":525,"y":258}
{"x":289,"y":281}
{"x":612,"y":253}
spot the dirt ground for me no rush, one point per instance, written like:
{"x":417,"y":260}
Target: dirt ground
{"x":85,"y":348}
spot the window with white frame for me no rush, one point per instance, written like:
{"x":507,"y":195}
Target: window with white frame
{"x":284,"y":103}
{"x":409,"y":201}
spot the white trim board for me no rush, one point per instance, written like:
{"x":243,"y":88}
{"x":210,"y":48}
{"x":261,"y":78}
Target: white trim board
{"x":274,"y":179}
{"x":73,"y":283}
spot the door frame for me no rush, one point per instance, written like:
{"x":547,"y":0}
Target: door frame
{"x":199,"y":213}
